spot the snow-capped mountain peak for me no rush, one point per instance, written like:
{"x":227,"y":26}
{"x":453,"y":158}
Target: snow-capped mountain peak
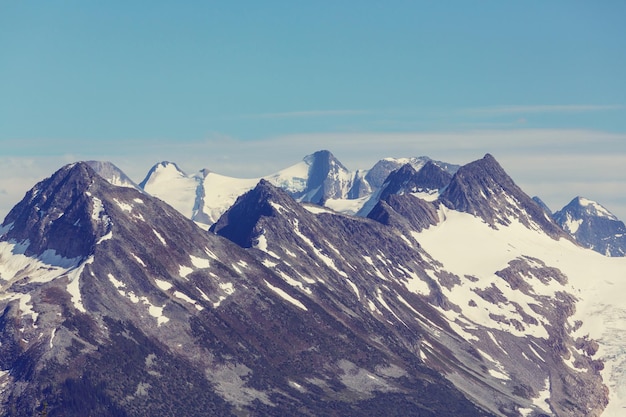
{"x":594,"y":209}
{"x":327,"y":178}
{"x":593,"y":226}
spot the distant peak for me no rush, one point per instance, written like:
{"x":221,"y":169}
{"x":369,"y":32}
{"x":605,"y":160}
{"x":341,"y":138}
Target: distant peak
{"x":407,"y":168}
{"x":319,"y":156}
{"x":591,"y":207}
{"x":168,"y":164}
{"x":266,"y":186}
{"x":163,"y":166}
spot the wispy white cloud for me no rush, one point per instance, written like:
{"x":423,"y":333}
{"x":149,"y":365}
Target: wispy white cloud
{"x":558,"y":108}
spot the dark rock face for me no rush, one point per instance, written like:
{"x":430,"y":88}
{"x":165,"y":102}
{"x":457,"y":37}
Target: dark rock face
{"x":484,"y":189}
{"x":379,"y":173}
{"x":59,"y":215}
{"x":238,"y":223}
{"x":406,"y":179}
{"x":429,"y":179}
{"x":328,"y":178}
{"x":405,"y":210}
{"x":593,"y":226}
{"x":377,"y":176}
{"x":360,"y":187}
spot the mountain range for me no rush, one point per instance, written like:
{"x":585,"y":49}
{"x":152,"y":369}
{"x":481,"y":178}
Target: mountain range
{"x":415,"y":288}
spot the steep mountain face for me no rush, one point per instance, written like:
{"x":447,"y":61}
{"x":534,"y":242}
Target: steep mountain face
{"x":482,"y":188}
{"x":405,"y":211}
{"x":51,"y":219}
{"x":327,"y":178}
{"x":406,"y":180}
{"x":427,"y":182}
{"x":378,"y":277}
{"x":593,"y":226}
{"x":360,"y":186}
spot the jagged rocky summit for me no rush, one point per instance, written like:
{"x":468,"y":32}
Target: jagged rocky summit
{"x":593,"y":226}
{"x":456,"y":295}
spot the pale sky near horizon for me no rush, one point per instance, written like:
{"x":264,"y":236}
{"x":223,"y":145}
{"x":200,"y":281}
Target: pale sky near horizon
{"x":247,"y":88}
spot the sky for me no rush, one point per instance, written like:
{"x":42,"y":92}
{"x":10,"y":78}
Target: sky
{"x":247,"y":88}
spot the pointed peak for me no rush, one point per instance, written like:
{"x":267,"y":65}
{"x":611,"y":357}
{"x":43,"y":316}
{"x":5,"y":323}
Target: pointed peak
{"x":166,"y":164}
{"x":323,"y":157}
{"x":487,"y":163}
{"x":265,"y":191}
{"x":406,"y":169}
{"x":407,"y":179}
{"x":593,"y":226}
{"x":239,"y":222}
{"x":80,"y":174}
{"x":162,"y":168}
{"x":61,"y":213}
{"x":321,"y":154}
{"x":326,"y":178}
{"x":484,"y":169}
{"x":484,"y":189}
{"x":589,"y":207}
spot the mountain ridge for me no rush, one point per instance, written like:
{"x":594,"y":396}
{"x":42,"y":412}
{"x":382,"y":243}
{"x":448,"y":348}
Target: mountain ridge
{"x":285,"y":308}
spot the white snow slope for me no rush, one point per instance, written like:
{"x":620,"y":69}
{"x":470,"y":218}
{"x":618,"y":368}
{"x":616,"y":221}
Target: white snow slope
{"x":597,"y":281}
{"x":205,"y":196}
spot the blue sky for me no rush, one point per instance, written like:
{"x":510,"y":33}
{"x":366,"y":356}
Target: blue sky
{"x":243,"y":87}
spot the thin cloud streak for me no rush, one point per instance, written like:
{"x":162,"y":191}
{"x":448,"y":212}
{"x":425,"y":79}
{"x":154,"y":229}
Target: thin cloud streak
{"x":567,"y":108}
